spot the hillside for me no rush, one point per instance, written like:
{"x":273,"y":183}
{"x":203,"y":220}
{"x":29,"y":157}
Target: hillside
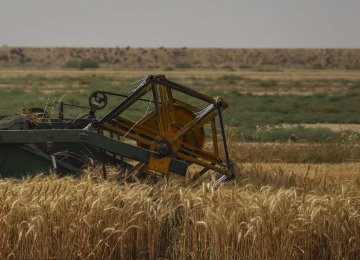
{"x":181,"y":58}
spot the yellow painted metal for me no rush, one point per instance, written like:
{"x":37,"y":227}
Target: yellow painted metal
{"x":214,"y":138}
{"x":176,"y":125}
{"x":159,"y":165}
{"x":182,"y":116}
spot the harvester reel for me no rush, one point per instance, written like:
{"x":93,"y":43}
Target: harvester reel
{"x":182,"y":115}
{"x":174,"y":131}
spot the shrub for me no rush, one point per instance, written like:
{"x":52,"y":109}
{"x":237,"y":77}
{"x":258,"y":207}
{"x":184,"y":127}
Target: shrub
{"x":231,"y":79}
{"x":265,"y":83}
{"x":89,"y":63}
{"x":82,"y":64}
{"x":73,"y":63}
{"x":4,"y":57}
{"x":183,"y":65}
{"x":356,"y":85}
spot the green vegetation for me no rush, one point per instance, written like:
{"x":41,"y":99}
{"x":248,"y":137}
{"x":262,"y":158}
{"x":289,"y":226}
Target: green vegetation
{"x":230,"y":79}
{"x":265,"y":83}
{"x":294,"y":134}
{"x":251,"y":116}
{"x":82,"y":64}
{"x":183,"y":65}
{"x":252,"y":110}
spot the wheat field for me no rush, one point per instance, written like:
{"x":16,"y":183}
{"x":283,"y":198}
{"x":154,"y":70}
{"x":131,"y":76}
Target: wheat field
{"x":289,"y":200}
{"x":272,"y":211}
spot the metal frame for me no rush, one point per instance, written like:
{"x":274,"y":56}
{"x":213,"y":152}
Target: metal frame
{"x":81,"y":136}
{"x":161,"y":150}
{"x":161,"y":88}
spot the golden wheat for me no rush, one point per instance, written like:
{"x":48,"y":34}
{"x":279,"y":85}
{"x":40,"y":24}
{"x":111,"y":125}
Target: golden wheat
{"x":295,"y":153}
{"x":271,"y":212}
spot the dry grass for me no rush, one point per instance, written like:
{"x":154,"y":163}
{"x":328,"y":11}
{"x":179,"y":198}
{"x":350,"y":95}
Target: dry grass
{"x":332,"y":127}
{"x":295,"y":153}
{"x":177,"y":58}
{"x":286,"y":74}
{"x":273,"y":211}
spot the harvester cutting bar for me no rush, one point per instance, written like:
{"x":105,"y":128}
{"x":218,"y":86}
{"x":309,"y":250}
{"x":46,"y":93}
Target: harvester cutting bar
{"x":79,"y":137}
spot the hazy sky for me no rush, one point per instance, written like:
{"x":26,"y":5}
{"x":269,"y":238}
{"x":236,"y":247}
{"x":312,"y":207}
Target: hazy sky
{"x":181,"y":23}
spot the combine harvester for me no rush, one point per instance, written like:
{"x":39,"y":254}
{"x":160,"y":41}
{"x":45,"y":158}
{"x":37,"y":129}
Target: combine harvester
{"x":169,"y":138}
